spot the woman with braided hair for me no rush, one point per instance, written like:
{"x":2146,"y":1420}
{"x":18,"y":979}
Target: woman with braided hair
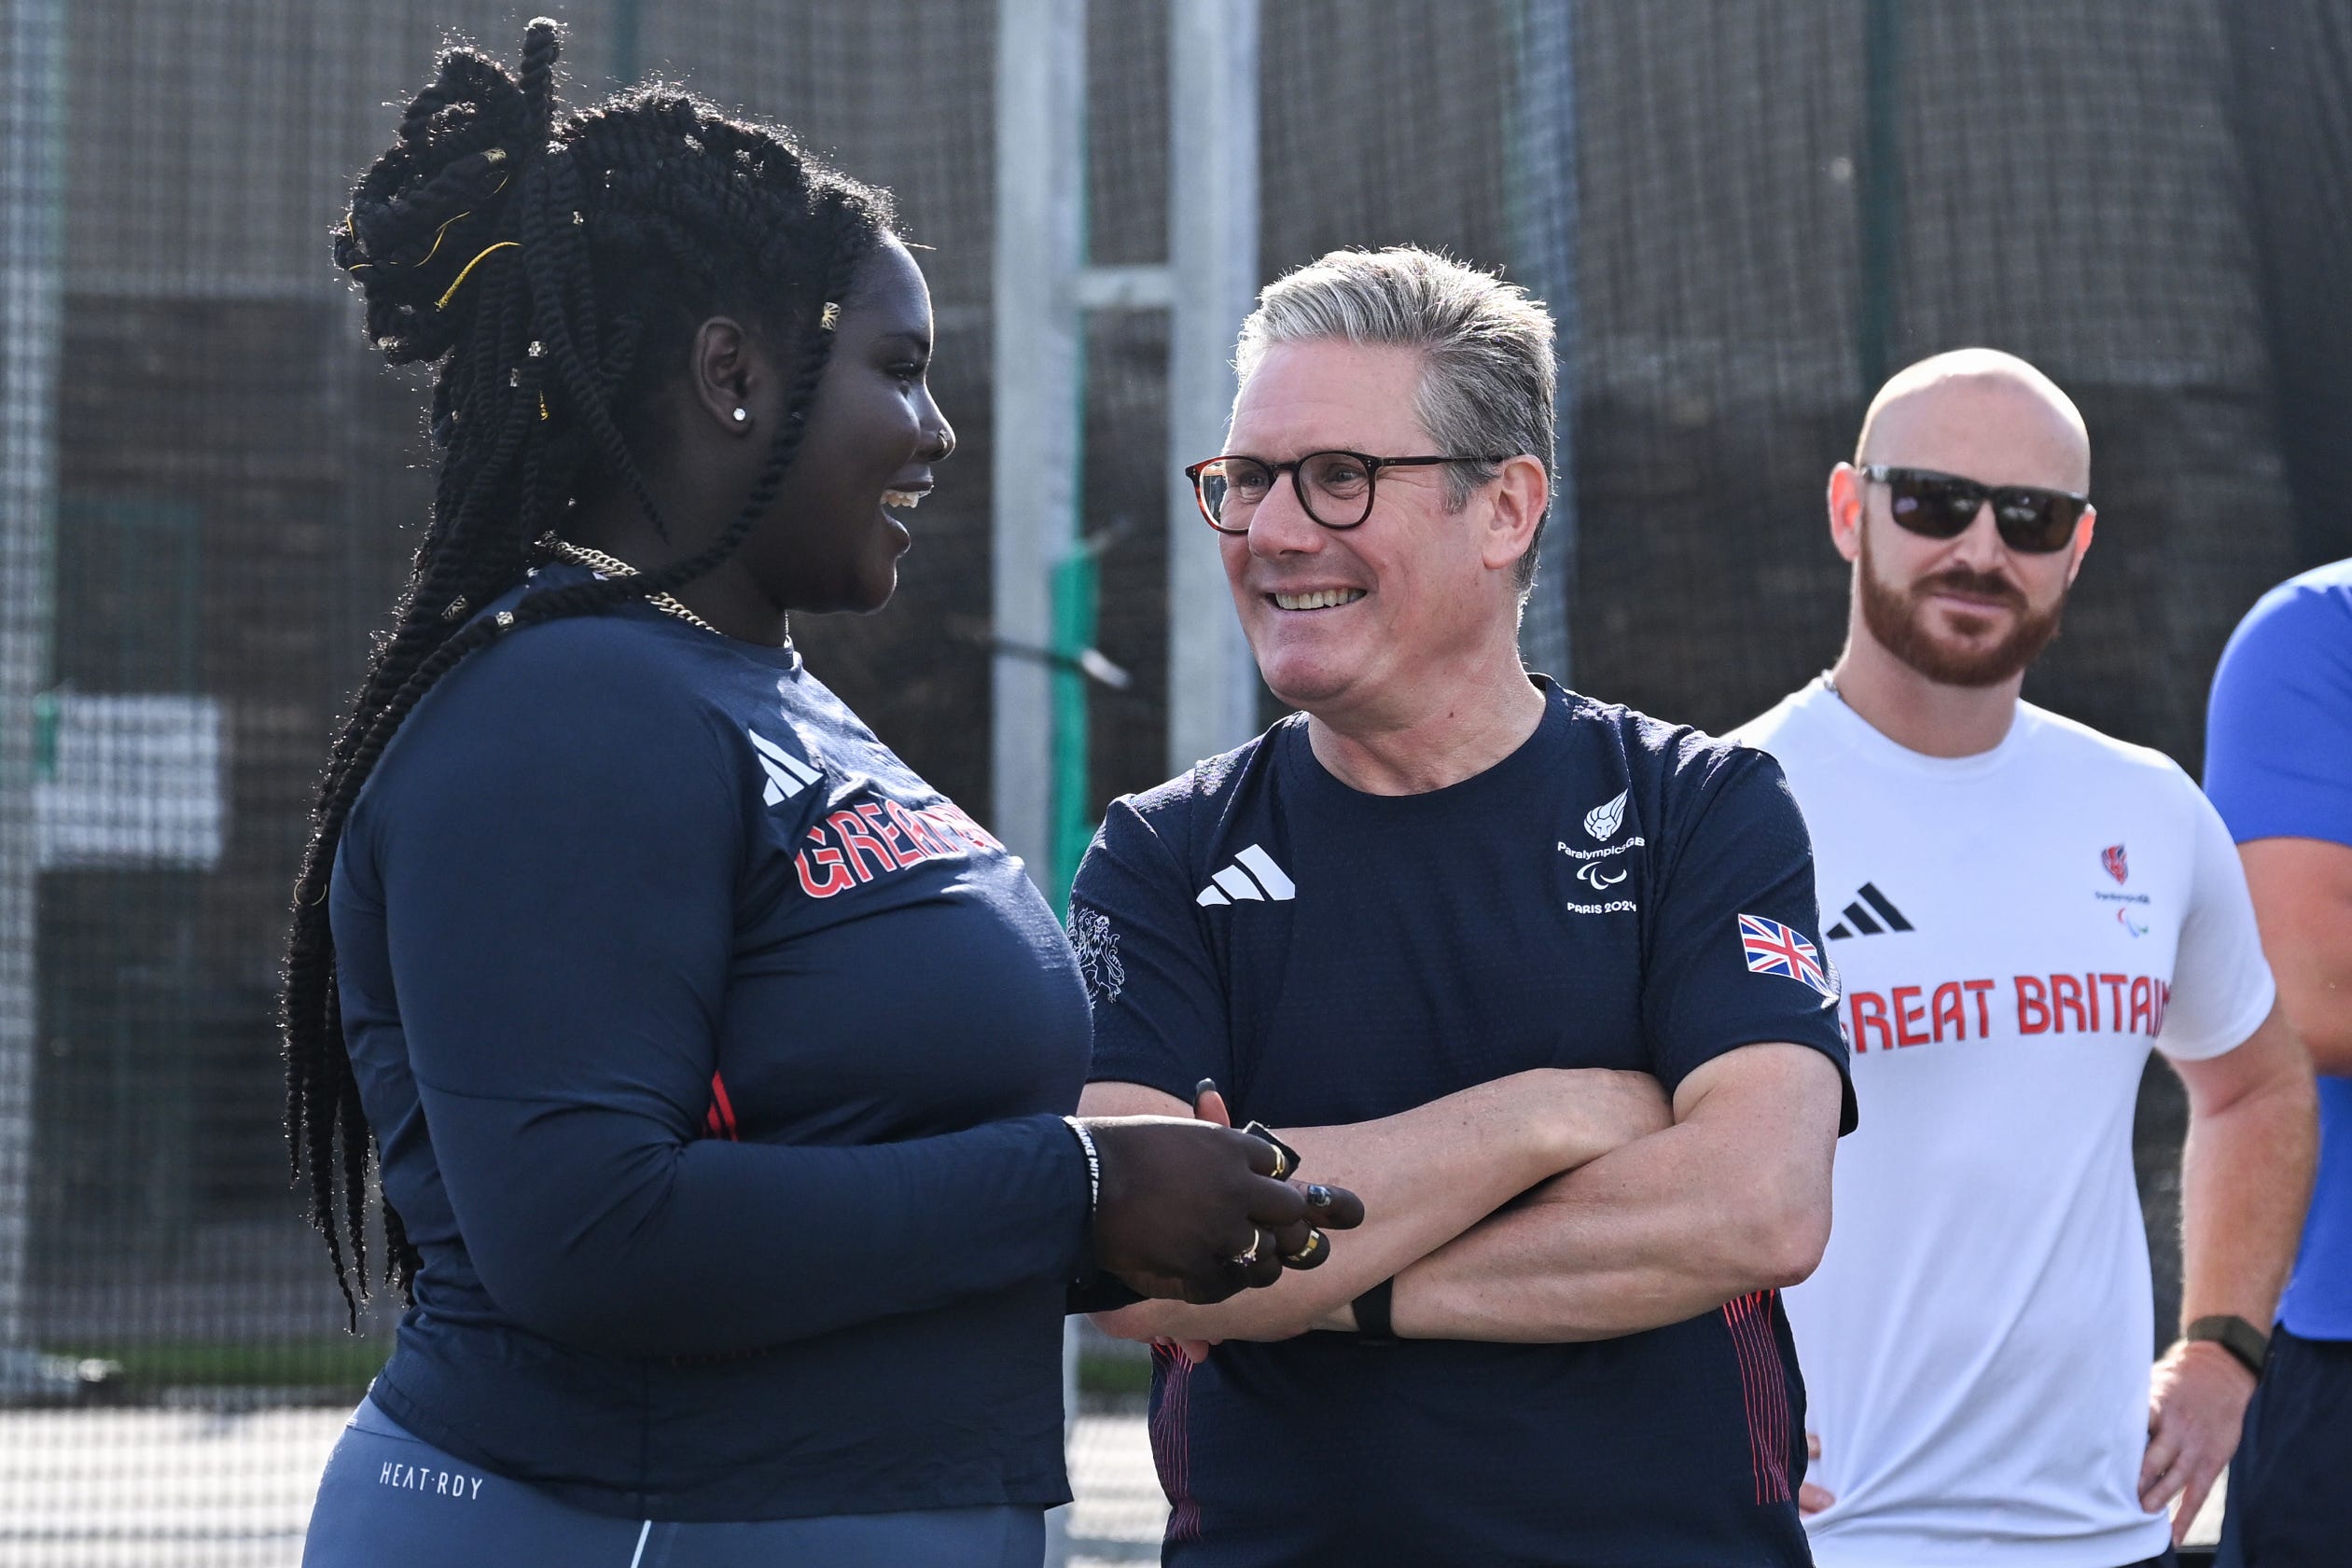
{"x":711,"y":1065}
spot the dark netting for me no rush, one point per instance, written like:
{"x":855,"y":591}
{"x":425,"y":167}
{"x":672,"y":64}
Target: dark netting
{"x":1743,"y":216}
{"x":1783,"y":206}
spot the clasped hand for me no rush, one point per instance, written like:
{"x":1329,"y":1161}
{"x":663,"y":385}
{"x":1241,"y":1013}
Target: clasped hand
{"x":1193,"y":1210}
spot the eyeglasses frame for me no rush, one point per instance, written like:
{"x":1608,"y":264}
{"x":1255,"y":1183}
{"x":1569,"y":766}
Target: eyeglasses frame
{"x":1372,"y":465}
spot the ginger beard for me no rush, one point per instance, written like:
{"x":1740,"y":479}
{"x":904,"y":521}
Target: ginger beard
{"x":1896,"y":618}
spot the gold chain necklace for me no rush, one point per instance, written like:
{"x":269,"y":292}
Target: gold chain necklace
{"x":613,"y":566}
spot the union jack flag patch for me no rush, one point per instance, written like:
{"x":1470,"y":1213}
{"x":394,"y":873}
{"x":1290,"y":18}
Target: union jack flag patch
{"x":1774,"y":949}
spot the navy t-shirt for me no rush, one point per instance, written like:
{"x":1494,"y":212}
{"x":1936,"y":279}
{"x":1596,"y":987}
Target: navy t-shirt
{"x":1616,"y":893}
{"x":717,"y":1064}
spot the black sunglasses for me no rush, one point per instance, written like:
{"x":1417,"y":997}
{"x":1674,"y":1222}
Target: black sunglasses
{"x":1942,"y":506}
{"x":1335,"y":488}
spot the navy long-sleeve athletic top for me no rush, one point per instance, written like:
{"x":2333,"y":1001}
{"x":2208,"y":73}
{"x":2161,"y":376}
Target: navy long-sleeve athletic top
{"x":716,"y":1061}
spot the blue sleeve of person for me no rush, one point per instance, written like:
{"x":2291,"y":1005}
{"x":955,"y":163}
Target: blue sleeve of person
{"x":2279,"y":730}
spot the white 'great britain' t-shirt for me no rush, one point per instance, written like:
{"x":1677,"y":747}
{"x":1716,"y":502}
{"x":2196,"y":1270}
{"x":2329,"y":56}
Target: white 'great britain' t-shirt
{"x":2015,"y":930}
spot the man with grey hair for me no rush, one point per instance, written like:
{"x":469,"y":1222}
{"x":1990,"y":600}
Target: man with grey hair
{"x":1538,"y":977}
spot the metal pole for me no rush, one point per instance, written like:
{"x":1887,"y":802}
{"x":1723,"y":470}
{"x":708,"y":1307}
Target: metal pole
{"x":1036,"y":380}
{"x":628,"y":33}
{"x":1544,"y":229}
{"x":1040,"y":127}
{"x":31,"y":325}
{"x":1213,"y":262}
{"x":1880,"y":197}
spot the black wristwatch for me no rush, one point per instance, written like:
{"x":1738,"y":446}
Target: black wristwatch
{"x":1371,"y":1315}
{"x":2233,"y":1334}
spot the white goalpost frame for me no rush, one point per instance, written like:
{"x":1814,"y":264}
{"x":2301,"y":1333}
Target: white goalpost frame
{"x":1213,"y":245}
{"x":1042,"y":287}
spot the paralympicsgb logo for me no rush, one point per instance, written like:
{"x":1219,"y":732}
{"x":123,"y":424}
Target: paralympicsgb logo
{"x":1604,"y":820}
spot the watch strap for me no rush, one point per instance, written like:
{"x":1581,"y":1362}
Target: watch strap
{"x":2233,"y":1334}
{"x":1371,"y":1315}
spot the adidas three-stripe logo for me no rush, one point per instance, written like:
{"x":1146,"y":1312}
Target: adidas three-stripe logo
{"x":1253,"y":875}
{"x":1857,"y":920}
{"x":787,"y":775}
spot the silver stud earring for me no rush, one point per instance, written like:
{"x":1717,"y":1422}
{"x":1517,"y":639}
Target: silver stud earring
{"x":742,"y":414}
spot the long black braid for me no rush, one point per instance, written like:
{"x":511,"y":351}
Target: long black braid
{"x":554,"y":274}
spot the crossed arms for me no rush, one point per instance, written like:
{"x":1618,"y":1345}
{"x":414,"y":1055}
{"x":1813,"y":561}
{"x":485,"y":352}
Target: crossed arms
{"x":1552,"y":1205}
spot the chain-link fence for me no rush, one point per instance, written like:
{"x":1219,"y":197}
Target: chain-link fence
{"x":1743,"y":216}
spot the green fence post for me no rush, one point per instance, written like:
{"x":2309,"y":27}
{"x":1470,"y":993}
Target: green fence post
{"x":1075,"y":587}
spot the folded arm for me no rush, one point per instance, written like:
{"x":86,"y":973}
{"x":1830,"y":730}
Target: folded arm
{"x":1425,"y":1175}
{"x":1734,"y":1197}
{"x":603,"y":1227}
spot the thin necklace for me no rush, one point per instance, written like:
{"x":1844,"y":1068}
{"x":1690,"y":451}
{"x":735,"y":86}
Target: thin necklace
{"x":613,"y":566}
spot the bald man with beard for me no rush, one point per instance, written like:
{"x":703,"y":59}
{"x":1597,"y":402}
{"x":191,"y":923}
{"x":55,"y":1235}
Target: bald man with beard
{"x":2021,"y":909}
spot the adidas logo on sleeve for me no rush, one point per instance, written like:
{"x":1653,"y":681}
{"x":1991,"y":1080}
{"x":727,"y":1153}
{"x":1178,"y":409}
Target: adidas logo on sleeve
{"x":1253,"y":876}
{"x":787,"y":775}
